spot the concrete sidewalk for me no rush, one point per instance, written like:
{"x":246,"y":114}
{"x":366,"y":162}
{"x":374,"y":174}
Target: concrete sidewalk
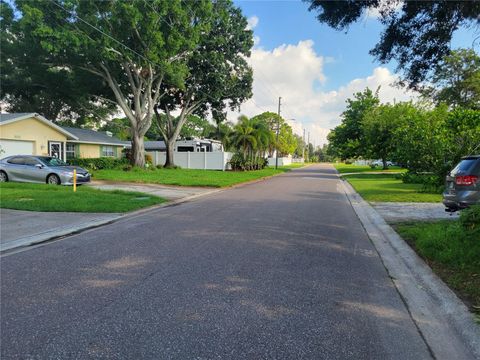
{"x":25,"y":228}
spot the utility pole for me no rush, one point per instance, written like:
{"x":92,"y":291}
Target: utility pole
{"x":308,"y":146}
{"x":278,"y":130}
{"x":303,"y":154}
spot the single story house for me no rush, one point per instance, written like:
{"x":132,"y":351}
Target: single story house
{"x":32,"y":134}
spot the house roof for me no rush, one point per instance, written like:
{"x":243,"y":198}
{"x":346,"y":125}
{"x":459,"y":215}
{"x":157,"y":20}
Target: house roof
{"x":10,"y":118}
{"x":155,"y":145}
{"x":93,"y":137}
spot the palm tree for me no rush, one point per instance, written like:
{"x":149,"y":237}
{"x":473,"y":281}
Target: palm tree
{"x":264,"y":137}
{"x":244,"y":135}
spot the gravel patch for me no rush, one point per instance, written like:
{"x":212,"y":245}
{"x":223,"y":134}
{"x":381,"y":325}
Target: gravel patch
{"x":398,"y":212}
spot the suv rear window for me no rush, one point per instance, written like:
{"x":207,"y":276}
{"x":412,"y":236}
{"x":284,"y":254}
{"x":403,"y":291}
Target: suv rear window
{"x":464,"y":166}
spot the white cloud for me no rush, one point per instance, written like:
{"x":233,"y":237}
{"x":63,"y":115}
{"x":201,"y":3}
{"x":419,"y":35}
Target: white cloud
{"x":384,"y":6}
{"x":252,"y":22}
{"x":295,"y":72}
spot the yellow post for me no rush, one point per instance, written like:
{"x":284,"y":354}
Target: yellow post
{"x":74,"y":180}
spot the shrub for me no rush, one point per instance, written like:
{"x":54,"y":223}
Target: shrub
{"x":240,"y":163}
{"x":431,"y":183}
{"x":470,"y":221}
{"x":99,"y":163}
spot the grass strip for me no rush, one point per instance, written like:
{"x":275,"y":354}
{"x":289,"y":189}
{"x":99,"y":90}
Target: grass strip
{"x":43,"y":197}
{"x":187,"y":177}
{"x":452,"y":255}
{"x":387,"y":188}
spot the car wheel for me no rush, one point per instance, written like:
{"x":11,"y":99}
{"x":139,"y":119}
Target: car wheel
{"x":3,"y":176}
{"x":53,"y":179}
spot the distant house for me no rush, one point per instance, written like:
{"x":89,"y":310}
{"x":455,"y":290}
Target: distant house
{"x":32,"y":134}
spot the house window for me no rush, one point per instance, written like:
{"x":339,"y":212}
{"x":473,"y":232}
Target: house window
{"x":108,"y":151}
{"x":70,"y":150}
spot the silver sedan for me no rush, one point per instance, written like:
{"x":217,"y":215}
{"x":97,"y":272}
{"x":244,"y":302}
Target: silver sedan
{"x":41,"y":169}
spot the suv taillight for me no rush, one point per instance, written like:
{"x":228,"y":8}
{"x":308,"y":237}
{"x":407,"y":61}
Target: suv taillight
{"x":466,"y":180}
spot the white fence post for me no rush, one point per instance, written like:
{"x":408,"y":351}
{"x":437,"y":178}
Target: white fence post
{"x":205,"y":160}
{"x":188,"y":159}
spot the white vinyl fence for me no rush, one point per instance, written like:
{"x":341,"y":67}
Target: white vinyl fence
{"x":282,"y":161}
{"x":217,"y":160}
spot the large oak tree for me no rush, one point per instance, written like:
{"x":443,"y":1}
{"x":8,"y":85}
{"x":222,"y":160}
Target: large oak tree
{"x":219,"y":76}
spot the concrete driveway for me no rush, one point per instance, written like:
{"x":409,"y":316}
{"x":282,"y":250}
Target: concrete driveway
{"x":164,"y":191}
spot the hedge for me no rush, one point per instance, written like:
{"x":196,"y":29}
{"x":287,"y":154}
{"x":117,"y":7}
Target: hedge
{"x":99,"y":163}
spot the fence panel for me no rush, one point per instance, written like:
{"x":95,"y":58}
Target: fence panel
{"x":217,"y":160}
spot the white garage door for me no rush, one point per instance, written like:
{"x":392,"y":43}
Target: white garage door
{"x":15,"y":147}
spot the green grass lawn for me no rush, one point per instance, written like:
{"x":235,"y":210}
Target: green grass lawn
{"x":350,"y":168}
{"x":386,"y":188}
{"x":43,"y":197}
{"x":450,"y":253}
{"x":187,"y":177}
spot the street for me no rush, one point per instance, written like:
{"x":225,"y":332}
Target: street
{"x":278,"y":269}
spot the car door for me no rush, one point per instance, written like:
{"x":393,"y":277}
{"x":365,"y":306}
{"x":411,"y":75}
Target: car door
{"x":32,"y":172}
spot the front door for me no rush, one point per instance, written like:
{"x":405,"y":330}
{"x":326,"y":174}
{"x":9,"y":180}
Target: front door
{"x":55,"y":149}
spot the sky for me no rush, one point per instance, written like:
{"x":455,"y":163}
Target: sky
{"x":315,"y":68}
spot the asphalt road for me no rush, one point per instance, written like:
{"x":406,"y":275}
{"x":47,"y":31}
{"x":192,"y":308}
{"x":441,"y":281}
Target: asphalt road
{"x":280,"y":269}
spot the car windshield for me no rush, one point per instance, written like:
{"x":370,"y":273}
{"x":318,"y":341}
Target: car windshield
{"x":463,"y":166}
{"x":52,"y":161}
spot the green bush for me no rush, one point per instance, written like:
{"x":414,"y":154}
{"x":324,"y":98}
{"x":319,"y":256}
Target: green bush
{"x":431,"y":183}
{"x":470,"y":221}
{"x":101,"y":163}
{"x":240,"y":163}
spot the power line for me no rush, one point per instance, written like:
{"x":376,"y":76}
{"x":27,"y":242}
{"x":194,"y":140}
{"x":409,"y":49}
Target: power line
{"x":102,"y":32}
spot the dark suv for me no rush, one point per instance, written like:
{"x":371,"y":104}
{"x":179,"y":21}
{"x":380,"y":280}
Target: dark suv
{"x":463,"y":184}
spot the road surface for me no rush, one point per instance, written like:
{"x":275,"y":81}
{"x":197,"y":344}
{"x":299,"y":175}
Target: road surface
{"x":279,"y":269}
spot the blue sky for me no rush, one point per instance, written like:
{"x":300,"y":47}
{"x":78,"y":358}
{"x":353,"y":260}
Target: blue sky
{"x":313,"y":67}
{"x":288,"y":22}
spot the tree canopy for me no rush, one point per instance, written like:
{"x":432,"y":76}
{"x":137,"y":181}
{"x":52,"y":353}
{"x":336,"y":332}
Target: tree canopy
{"x":33,"y":81}
{"x":416,"y":34}
{"x":346,"y":139}
{"x":456,"y":80}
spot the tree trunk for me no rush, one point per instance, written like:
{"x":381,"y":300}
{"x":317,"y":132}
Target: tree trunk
{"x":384,"y":161}
{"x":170,"y":145}
{"x":138,"y":149}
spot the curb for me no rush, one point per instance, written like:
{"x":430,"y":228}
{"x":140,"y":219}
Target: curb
{"x":443,"y":320}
